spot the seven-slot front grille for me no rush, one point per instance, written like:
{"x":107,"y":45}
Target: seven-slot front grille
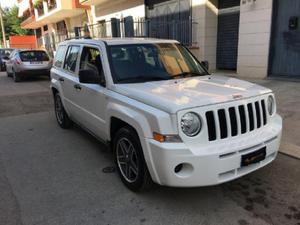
{"x":235,"y":120}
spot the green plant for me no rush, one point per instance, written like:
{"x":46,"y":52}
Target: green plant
{"x":37,"y":4}
{"x":12,"y":23}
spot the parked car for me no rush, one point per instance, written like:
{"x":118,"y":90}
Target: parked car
{"x":166,"y":118}
{"x":4,"y":55}
{"x":25,"y":63}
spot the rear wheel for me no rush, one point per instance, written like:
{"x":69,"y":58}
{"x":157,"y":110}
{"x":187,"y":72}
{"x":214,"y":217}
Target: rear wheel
{"x":60,"y":113}
{"x":16,"y":76}
{"x":129,"y":159}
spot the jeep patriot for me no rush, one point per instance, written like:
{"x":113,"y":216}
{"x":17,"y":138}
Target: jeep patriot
{"x":165,"y":117}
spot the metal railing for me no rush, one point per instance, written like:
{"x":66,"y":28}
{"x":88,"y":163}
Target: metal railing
{"x":177,"y":30}
{"x":183,"y":31}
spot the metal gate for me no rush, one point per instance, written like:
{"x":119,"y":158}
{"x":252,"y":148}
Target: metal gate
{"x":170,"y":19}
{"x":228,"y":34}
{"x":284,"y":57}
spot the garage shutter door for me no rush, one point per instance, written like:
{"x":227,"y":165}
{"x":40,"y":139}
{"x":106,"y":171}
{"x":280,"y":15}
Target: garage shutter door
{"x":228,"y":34}
{"x":285,"y":44}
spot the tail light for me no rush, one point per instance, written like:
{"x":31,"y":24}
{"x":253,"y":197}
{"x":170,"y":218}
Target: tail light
{"x":18,"y":61}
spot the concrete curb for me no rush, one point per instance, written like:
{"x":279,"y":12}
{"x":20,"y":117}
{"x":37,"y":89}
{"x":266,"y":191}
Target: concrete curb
{"x":290,"y":149}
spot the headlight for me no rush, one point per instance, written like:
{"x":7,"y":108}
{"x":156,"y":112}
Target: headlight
{"x":191,"y":124}
{"x":271,"y":105}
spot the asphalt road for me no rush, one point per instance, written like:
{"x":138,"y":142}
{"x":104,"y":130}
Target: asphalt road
{"x":50,"y":176}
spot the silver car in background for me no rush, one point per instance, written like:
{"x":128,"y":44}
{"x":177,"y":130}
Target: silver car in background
{"x":27,"y":63}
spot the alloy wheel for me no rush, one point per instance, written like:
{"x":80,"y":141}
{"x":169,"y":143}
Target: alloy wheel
{"x":127,"y":160}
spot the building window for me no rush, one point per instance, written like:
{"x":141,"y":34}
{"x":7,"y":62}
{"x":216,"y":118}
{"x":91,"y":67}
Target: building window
{"x":45,"y":28}
{"x":61,"y":27}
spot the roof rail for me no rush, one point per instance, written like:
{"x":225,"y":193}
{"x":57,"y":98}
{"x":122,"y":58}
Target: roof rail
{"x":78,"y":37}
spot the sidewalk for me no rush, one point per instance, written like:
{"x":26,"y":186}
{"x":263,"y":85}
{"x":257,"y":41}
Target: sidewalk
{"x":288,"y":106}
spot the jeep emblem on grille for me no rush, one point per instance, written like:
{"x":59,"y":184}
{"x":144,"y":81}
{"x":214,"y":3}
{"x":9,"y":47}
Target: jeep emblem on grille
{"x":237,"y":96}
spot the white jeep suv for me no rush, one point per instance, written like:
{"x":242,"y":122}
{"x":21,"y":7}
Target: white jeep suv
{"x":166,"y":118}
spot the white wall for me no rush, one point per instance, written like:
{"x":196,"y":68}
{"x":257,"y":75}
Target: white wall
{"x":205,"y":17}
{"x":77,"y":21}
{"x":119,"y":9}
{"x":254,"y":38}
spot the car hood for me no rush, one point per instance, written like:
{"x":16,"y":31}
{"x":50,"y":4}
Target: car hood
{"x":175,"y":95}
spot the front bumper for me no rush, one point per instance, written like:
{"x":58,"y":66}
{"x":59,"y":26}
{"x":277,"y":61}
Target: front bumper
{"x":213,"y":164}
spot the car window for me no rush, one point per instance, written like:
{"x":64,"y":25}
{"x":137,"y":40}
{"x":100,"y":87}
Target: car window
{"x":12,"y":54}
{"x":91,"y":60}
{"x":33,"y":56}
{"x":59,"y":56}
{"x":71,"y":58}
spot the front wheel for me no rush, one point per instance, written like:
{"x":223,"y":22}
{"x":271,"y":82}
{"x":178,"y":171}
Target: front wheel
{"x":129,"y":159}
{"x":61,"y":116}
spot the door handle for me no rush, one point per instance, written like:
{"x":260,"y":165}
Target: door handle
{"x":77,"y":87}
{"x":61,"y":79}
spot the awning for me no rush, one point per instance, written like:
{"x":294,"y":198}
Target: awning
{"x":23,"y":6}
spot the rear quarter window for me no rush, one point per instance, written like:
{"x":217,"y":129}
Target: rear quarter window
{"x":71,"y":58}
{"x":59,"y":56}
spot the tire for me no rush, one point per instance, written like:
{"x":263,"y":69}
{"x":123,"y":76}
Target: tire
{"x":129,"y":160}
{"x":16,"y":77}
{"x":62,"y":117}
{"x":8,"y":73}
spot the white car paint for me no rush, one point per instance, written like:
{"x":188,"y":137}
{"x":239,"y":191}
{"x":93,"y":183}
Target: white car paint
{"x":158,"y":107}
{"x":174,"y":95}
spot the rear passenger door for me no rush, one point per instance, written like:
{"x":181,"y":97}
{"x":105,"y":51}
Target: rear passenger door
{"x":91,"y":98}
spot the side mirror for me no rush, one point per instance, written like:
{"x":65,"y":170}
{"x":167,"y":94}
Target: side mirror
{"x":89,"y":77}
{"x":205,"y":64}
{"x":6,"y":58}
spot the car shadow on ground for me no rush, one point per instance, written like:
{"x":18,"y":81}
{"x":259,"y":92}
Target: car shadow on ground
{"x":258,"y":193}
{"x":35,"y":79}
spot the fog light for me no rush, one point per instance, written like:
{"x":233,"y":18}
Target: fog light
{"x":184,"y":170}
{"x":178,"y":168}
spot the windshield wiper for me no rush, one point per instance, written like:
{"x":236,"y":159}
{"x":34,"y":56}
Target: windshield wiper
{"x":188,"y":74}
{"x":141,"y":79}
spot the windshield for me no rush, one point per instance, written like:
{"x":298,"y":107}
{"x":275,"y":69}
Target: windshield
{"x":32,"y":56}
{"x":149,"y":62}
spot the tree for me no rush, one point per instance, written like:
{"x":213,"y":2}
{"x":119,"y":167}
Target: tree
{"x":12,"y":23}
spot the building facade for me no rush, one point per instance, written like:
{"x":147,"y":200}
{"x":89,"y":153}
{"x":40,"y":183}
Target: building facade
{"x":53,"y":20}
{"x":249,"y":38}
